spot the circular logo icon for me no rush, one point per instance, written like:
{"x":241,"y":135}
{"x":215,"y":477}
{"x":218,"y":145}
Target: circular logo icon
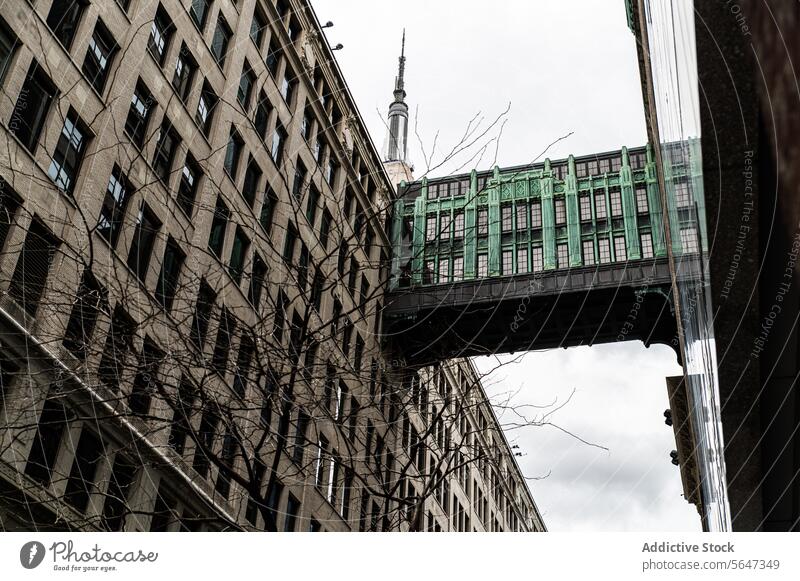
{"x":31,"y":554}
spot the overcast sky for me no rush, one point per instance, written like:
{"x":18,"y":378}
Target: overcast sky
{"x":564,"y":66}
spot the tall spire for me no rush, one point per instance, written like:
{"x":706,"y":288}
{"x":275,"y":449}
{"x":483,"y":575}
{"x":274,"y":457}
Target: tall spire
{"x":398,"y":112}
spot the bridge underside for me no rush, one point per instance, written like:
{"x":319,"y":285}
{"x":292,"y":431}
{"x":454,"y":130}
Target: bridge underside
{"x":564,"y":308}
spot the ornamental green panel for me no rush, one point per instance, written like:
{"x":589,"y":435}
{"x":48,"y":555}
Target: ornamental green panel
{"x":418,"y":249}
{"x":397,"y":241}
{"x":548,"y":223}
{"x":493,"y":192}
{"x":632,"y":244}
{"x":654,"y":205}
{"x":573,"y":219}
{"x":470,"y":227}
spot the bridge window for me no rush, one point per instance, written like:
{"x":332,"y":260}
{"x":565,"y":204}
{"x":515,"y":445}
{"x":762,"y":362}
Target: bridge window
{"x":522,"y":260}
{"x":508,"y":262}
{"x":689,"y":240}
{"x":682,"y":195}
{"x":483,"y":222}
{"x":560,"y":172}
{"x":536,"y":215}
{"x":444,"y":230}
{"x":604,"y":250}
{"x":619,"y":248}
{"x":647,"y":245}
{"x":427,"y":274}
{"x":580,"y":170}
{"x":616,"y":202}
{"x":638,"y":160}
{"x":562,"y":254}
{"x":586,"y":208}
{"x":616,"y":163}
{"x":522,"y":215}
{"x":483,"y":265}
{"x":458,"y":268}
{"x":605,"y":165}
{"x":458,"y":225}
{"x":444,"y":270}
{"x":641,"y":200}
{"x":505,"y":218}
{"x":433,"y":191}
{"x":588,"y":253}
{"x":600,"y":206}
{"x":430,"y":228}
{"x":537,"y":259}
{"x":561,"y":212}
{"x":592,"y":167}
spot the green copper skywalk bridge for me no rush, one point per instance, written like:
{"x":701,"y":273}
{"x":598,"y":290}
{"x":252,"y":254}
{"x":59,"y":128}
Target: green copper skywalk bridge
{"x":559,"y":253}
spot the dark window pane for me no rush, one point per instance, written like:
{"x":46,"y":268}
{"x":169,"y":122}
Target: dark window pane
{"x":170,"y":272}
{"x":80,"y":485}
{"x":185,"y":69}
{"x":160,"y":34}
{"x":33,"y":104}
{"x":202,"y":314}
{"x":113,"y":211}
{"x":90,"y":300}
{"x":139,"y":114}
{"x":97,"y":62}
{"x":187,"y":189}
{"x":166,"y":146}
{"x":64,"y":18}
{"x":69,"y":152}
{"x":46,"y":442}
{"x":144,"y":238}
{"x":33,"y":266}
{"x":219,"y":44}
{"x":216,"y":240}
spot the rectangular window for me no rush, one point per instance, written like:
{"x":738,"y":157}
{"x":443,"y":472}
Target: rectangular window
{"x":522,"y":216}
{"x":233,"y":153}
{"x":458,"y":268}
{"x":444,"y":270}
{"x":647,"y":245}
{"x":219,"y":225}
{"x":290,"y":243}
{"x":641,"y":200}
{"x":604,"y":250}
{"x":241,"y":244}
{"x":139,"y":114}
{"x":483,"y":221}
{"x":46,"y":442}
{"x":588,"y":253}
{"x":506,"y":219}
{"x":605,"y":165}
{"x":219,"y":44}
{"x":257,"y":281}
{"x":536,"y":215}
{"x":522,"y":260}
{"x":616,"y":164}
{"x":430,"y":227}
{"x":267,"y":215}
{"x":206,"y":107}
{"x":683,"y":197}
{"x":600,"y":206}
{"x":144,"y":238}
{"x":619,"y":249}
{"x":325,"y":228}
{"x":483,"y":265}
{"x":311,"y":204}
{"x":64,"y":18}
{"x":205,"y":439}
{"x":113,"y":211}
{"x":444,"y":226}
{"x":299,"y":180}
{"x":99,"y":55}
{"x":688,"y":240}
{"x":581,"y":170}
{"x":170,"y":272}
{"x":252,"y":179}
{"x":33,"y":104}
{"x":199,"y":11}
{"x":68,"y":154}
{"x":537,"y":259}
{"x":261,"y":118}
{"x":246,"y":82}
{"x":561,"y":212}
{"x":89,"y":454}
{"x":166,"y":146}
{"x":123,"y":476}
{"x":458,"y":224}
{"x":146,"y":382}
{"x":90,"y":299}
{"x":8,"y":45}
{"x":33,"y":267}
{"x":222,"y":345}
{"x":278,"y":142}
{"x":244,"y":361}
{"x":185,"y":70}
{"x":119,"y":342}
{"x":187,"y":188}
{"x":562,"y":256}
{"x":592,"y":167}
{"x":507,"y":262}
{"x":615,"y":197}
{"x":331,"y":170}
{"x":257,"y":27}
{"x":160,"y":34}
{"x":585,"y":208}
{"x":202,"y":314}
{"x":273,"y":56}
{"x":288,"y":86}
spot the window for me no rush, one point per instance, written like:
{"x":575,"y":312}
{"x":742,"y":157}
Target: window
{"x":257,"y":281}
{"x":580,"y":170}
{"x":216,"y":239}
{"x":688,"y":240}
{"x":311,"y":204}
{"x":146,"y":382}
{"x":205,"y":439}
{"x":600,"y":206}
{"x":522,"y":260}
{"x":33,"y":267}
{"x":444,"y":228}
{"x":289,"y":243}
{"x":561,"y":212}
{"x":219,"y":44}
{"x":90,"y":299}
{"x":252,"y":178}
{"x":273,"y":56}
{"x":8,"y":44}
{"x":244,"y":362}
{"x":123,"y":475}
{"x":202,"y":314}
{"x":319,"y":149}
{"x":325,"y":228}
{"x":169,"y":274}
{"x":278,"y":142}
{"x":160,"y":34}
{"x":222,"y":346}
{"x":97,"y":61}
{"x":241,"y":244}
{"x":507,"y":262}
{"x":185,"y":69}
{"x":522,"y":216}
{"x":615,"y":197}
{"x":682,"y":195}
{"x":288,"y":85}
{"x":458,"y":225}
{"x":292,"y":511}
{"x":307,"y":123}
{"x":604,"y":250}
{"x":641,"y":200}
{"x":562,"y":256}
{"x":261,"y":119}
{"x":605,"y":165}
{"x":33,"y":104}
{"x":144,"y":238}
{"x":257,"y":26}
{"x":119,"y":342}
{"x":616,"y":164}
{"x":444,"y":270}
{"x":537,"y":259}
{"x":206,"y":107}
{"x":647,"y":245}
{"x":301,"y":427}
{"x":483,"y":221}
{"x":506,"y":224}
{"x":233,"y":152}
{"x":619,"y":248}
{"x":592,"y":167}
{"x":268,"y":209}
{"x":246,"y":82}
{"x":483,"y":265}
{"x":588,"y":253}
{"x":166,"y":146}
{"x":139,"y":114}
{"x":46,"y":442}
{"x":458,"y":268}
{"x":64,"y":18}
{"x":88,"y":456}
{"x":331,"y":170}
{"x":69,"y":151}
{"x":536,"y":215}
{"x":198,"y":11}
{"x":187,"y":188}
{"x":638,"y":160}
{"x":299,"y":180}
{"x":585,"y":208}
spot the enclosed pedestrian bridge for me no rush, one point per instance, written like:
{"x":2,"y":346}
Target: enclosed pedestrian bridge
{"x":559,"y":253}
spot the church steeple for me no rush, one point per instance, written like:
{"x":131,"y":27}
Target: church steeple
{"x":398,"y":113}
